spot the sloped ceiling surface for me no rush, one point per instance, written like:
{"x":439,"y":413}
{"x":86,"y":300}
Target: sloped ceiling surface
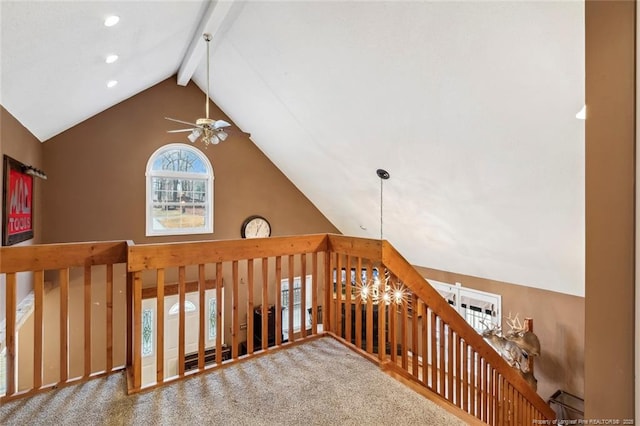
{"x":470,"y":106}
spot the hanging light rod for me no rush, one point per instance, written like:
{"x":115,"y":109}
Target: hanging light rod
{"x":383,"y":175}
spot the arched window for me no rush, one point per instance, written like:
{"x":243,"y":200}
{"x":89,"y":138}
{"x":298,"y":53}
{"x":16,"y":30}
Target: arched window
{"x":188,"y":307}
{"x":179,"y":191}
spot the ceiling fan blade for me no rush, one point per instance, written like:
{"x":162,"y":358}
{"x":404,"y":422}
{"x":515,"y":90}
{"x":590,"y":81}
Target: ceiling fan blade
{"x":180,"y":121}
{"x":237,"y":132}
{"x":179,"y":130}
{"x":219,"y":124}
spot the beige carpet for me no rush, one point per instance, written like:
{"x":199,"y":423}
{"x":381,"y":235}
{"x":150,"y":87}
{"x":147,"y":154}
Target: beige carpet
{"x":316,"y":383}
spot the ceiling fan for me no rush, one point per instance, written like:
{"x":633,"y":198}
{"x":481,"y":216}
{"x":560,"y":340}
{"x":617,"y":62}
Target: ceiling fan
{"x":212,"y":131}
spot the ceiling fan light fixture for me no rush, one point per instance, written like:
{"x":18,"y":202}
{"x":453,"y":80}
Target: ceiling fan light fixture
{"x":112,"y":83}
{"x":222,"y":135}
{"x":111,"y":59}
{"x":194,"y":135}
{"x":219,"y":124}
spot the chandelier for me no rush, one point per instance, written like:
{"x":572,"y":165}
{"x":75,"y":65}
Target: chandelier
{"x":381,"y":291}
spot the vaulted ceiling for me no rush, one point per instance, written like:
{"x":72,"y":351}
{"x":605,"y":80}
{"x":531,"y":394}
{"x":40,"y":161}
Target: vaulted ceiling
{"x":469,"y":105}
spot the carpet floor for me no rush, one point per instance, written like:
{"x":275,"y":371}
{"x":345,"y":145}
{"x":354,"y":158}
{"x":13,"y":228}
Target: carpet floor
{"x":320,"y":382}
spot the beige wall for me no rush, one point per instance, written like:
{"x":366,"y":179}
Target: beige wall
{"x":610,"y":177}
{"x":558,"y":321}
{"x":96,"y":187}
{"x":17,"y":142}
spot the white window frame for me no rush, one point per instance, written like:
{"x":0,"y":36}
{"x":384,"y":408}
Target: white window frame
{"x":457,"y":295}
{"x":151,"y":174}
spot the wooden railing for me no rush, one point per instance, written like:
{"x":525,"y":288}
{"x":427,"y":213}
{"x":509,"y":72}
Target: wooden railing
{"x":71,"y":270}
{"x":421,"y":339}
{"x":252,"y":271}
{"x":425,"y":340}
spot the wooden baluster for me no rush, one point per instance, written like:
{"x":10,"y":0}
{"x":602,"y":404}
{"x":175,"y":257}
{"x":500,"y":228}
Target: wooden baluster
{"x":87,"y":321}
{"x":219,"y":302}
{"x":465,"y":377}
{"x":450,"y":367}
{"x":486,"y":391}
{"x":314,"y":293}
{"x":303,"y":295}
{"x":235,"y":326}
{"x":64,"y":325}
{"x":160,"y":278}
{"x":414,"y":336}
{"x":501,"y":403}
{"x":38,"y":293}
{"x":434,"y":351}
{"x":348,"y":321}
{"x":512,"y":405}
{"x":10,"y":312}
{"x":130,"y":320}
{"x":491,"y":395}
{"x":291,"y":299}
{"x":458,"y":379}
{"x":393,"y":337}
{"x":404,"y":337}
{"x":181,"y":319}
{"x":109,"y":309}
{"x":382,"y":351}
{"x":278,"y":305}
{"x":137,"y":328}
{"x":329,"y":307}
{"x":265,"y":296}
{"x":425,"y":344}
{"x":531,"y":414}
{"x":473,"y":381}
{"x":338,"y":289}
{"x":441,"y":358}
{"x":202,"y":335}
{"x":482,"y":396}
{"x":250,"y":307}
{"x":358,"y":309}
{"x":369,"y":307}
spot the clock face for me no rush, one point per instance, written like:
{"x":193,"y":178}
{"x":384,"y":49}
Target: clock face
{"x":255,"y":227}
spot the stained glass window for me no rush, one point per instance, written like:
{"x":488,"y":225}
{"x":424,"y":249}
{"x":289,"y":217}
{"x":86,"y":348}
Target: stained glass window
{"x":147,"y":332}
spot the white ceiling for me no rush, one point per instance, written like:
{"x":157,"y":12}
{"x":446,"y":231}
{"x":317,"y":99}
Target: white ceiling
{"x":469,"y":105}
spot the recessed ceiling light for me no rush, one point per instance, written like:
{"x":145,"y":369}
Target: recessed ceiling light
{"x":111,"y":59}
{"x":111,"y":20}
{"x":111,"y":83}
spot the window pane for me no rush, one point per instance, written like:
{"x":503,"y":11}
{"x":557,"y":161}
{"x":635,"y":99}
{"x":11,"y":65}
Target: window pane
{"x":178,"y":203}
{"x":179,"y":160}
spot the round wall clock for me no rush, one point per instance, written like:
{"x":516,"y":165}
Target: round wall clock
{"x":255,"y":227}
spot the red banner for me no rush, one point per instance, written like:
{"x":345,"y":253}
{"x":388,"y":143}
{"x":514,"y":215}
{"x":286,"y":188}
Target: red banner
{"x":19,"y":197}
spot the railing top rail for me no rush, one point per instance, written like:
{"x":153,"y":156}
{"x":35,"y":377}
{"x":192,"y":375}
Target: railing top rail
{"x":354,"y":246}
{"x":154,"y":256}
{"x":40,"y":257}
